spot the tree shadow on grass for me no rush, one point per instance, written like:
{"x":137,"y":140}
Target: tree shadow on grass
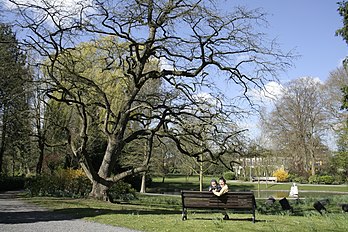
{"x":18,"y":217}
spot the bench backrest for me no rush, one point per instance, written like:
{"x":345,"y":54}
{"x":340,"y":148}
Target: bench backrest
{"x":230,"y":200}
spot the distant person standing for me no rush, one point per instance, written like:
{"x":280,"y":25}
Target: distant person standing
{"x":223,"y":186}
{"x":293,"y":190}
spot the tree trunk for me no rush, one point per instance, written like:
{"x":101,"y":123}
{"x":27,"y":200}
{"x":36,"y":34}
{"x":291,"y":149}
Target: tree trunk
{"x":201,"y":176}
{"x":313,"y":167}
{"x":2,"y":149}
{"x":41,"y":157}
{"x":99,"y":192}
{"x":2,"y":145}
{"x":143,"y":183}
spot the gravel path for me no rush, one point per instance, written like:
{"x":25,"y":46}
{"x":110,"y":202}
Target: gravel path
{"x":19,"y":216}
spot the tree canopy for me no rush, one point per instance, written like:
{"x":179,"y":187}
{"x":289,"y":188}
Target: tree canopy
{"x":193,"y":43}
{"x":298,"y":123}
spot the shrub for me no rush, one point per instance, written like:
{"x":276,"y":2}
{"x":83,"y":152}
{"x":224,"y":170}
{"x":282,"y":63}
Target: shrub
{"x":121,"y":191}
{"x":313,"y":179}
{"x":281,"y":175}
{"x":297,"y":179}
{"x":326,"y":179}
{"x":63,"y":182}
{"x":229,"y":175}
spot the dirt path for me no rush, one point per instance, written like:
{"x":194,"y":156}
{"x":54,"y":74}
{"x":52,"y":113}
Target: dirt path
{"x":16,"y":215}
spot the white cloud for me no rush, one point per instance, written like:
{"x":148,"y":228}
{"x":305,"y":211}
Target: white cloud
{"x":165,"y":65}
{"x":270,"y":92}
{"x":206,"y":101}
{"x":204,"y":95}
{"x":60,"y":4}
{"x":60,"y":10}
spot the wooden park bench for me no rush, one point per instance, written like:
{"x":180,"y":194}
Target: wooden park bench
{"x":237,"y":201}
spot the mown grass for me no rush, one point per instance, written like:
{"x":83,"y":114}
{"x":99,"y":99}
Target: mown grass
{"x":175,"y":183}
{"x":163,"y":213}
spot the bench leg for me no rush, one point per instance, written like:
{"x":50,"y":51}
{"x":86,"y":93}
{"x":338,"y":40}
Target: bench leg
{"x":253,"y":218}
{"x":226,"y":217}
{"x":184,"y":215}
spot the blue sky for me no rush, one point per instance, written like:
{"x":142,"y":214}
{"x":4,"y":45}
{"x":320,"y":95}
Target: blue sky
{"x":308,"y":26}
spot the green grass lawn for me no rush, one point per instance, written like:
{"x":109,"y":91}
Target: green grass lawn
{"x":175,"y":183}
{"x":163,"y":213}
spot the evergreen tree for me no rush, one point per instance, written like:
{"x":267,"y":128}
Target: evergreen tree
{"x":14,"y":105}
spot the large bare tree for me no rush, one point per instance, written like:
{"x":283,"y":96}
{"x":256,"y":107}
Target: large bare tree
{"x":298,"y":124}
{"x":195,"y":43}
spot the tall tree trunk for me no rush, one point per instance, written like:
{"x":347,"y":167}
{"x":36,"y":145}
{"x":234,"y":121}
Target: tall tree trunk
{"x":143,"y":177}
{"x":99,"y":190}
{"x":41,"y":155}
{"x":201,"y":176}
{"x":101,"y":181}
{"x":313,"y":167}
{"x":143,"y":183}
{"x":2,"y":147}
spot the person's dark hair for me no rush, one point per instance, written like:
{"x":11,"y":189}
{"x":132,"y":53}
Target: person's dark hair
{"x":223,"y":179}
{"x":213,"y":180}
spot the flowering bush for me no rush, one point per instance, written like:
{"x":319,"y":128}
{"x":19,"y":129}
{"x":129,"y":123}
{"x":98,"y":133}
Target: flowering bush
{"x":63,"y":182}
{"x":281,"y":175}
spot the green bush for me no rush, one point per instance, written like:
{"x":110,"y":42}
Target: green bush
{"x":326,"y":179}
{"x":297,"y":179}
{"x":121,"y":191}
{"x":229,"y":175}
{"x":314,"y":179}
{"x":64,"y":182}
{"x":338,"y":179}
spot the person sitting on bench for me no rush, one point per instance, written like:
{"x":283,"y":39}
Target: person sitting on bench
{"x":224,"y":187}
{"x":214,"y":185}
